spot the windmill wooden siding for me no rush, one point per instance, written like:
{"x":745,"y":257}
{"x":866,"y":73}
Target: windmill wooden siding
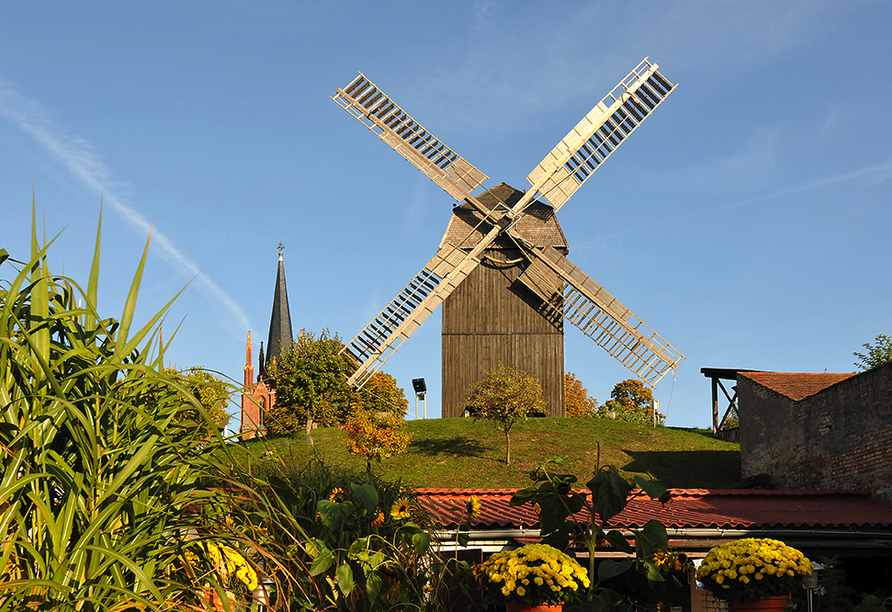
{"x":493,"y":317}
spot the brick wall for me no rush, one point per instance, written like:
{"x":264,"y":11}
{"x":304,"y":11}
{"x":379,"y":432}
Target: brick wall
{"x":840,"y":438}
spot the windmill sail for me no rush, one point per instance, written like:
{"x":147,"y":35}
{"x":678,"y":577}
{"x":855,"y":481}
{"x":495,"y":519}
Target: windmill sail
{"x":556,"y":178}
{"x":375,"y":344}
{"x":599,"y":315}
{"x":371,"y":106}
{"x":378,"y":340}
{"x":601,"y":131}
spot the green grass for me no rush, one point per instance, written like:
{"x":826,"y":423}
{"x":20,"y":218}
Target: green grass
{"x":459,"y":453}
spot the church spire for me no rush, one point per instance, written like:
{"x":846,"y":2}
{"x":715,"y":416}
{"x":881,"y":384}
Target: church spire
{"x":280,"y":322}
{"x":249,"y":366}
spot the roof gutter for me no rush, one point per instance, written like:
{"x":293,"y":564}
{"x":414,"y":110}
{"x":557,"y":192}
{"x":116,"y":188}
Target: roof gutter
{"x":839,"y":537}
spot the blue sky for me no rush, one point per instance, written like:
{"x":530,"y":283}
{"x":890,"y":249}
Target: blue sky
{"x":747,"y":221}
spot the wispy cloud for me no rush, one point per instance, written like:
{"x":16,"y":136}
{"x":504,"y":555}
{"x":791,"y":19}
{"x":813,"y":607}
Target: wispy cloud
{"x":85,"y":164}
{"x":483,"y":14}
{"x":870,"y":175}
{"x":878,"y":173}
{"x":745,"y":169}
{"x":503,"y":78}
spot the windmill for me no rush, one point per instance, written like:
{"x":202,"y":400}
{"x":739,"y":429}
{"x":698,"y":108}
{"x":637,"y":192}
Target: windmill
{"x":504,"y":217}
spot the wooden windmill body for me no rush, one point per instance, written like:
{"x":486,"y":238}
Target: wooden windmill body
{"x":502,"y":267}
{"x":492,"y":318}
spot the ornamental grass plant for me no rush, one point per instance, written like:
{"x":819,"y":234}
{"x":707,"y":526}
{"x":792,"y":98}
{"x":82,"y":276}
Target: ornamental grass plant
{"x":533,"y":574}
{"x":753,"y":568}
{"x":102,"y":453}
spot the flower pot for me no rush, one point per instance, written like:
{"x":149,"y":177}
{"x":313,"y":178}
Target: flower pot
{"x":769,"y":604}
{"x":513,"y":607}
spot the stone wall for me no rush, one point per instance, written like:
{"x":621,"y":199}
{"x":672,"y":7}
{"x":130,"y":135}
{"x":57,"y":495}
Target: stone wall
{"x":840,"y":438}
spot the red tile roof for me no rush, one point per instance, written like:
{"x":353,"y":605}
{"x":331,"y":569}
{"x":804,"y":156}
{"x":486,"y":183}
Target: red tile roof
{"x":796,"y":386}
{"x":688,"y":508}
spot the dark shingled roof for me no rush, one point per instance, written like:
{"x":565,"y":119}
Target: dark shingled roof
{"x":280,"y":321}
{"x":796,"y":386}
{"x":540,"y":225}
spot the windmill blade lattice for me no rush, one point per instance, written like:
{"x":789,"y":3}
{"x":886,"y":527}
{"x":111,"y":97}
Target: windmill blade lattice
{"x":599,"y":134}
{"x":599,"y":315}
{"x":371,"y":106}
{"x":376,"y":343}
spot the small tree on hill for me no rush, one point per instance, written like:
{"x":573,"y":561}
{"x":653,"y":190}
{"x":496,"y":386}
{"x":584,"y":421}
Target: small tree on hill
{"x":505,"y":396}
{"x":376,"y":436}
{"x":877,"y":354}
{"x":211,"y":392}
{"x":577,"y":402}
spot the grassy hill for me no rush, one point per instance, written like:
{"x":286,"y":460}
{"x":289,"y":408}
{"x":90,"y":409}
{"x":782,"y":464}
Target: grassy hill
{"x":457,"y":453}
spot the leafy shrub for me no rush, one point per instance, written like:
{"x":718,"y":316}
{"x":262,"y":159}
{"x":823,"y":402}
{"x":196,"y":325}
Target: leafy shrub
{"x":344,"y":541}
{"x":623,"y":413}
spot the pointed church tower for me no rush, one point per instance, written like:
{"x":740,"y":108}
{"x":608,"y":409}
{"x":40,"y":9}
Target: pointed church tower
{"x":258,"y":396}
{"x":280,"y":321}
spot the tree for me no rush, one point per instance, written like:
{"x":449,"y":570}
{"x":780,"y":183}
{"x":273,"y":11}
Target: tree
{"x":505,"y":396}
{"x":310,"y":379}
{"x":577,"y":402}
{"x":380,"y":395}
{"x":211,"y":392}
{"x":375,"y":435}
{"x":877,"y":355}
{"x":633,"y":395}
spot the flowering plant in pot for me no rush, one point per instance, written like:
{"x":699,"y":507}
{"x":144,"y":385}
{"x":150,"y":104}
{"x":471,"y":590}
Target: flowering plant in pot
{"x":753,"y":569}
{"x":531,"y":575}
{"x":662,"y":575}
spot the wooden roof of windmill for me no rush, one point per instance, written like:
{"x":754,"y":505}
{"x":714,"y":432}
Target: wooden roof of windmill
{"x":539,"y":225}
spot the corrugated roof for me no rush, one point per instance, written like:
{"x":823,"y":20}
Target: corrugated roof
{"x":687,"y":508}
{"x":539,"y":225}
{"x":796,"y":386}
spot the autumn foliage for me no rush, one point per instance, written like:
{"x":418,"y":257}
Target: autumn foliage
{"x":380,"y":394}
{"x":577,"y":402}
{"x":633,"y":395}
{"x":375,"y":435}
